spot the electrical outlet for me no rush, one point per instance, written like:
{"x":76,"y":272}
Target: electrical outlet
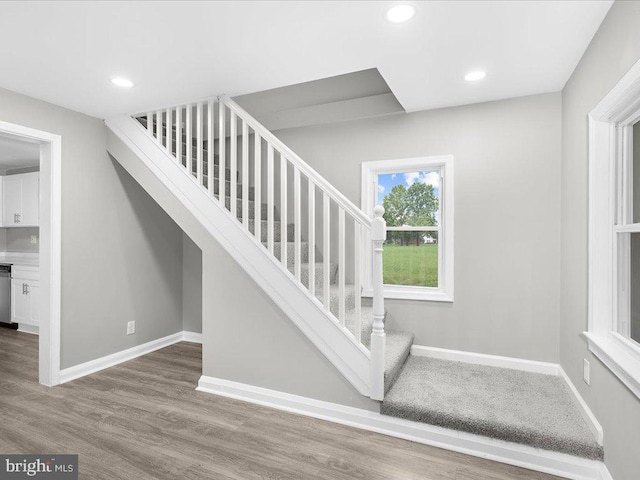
{"x":586,"y":372}
{"x":131,"y":328}
{"x":34,"y":239}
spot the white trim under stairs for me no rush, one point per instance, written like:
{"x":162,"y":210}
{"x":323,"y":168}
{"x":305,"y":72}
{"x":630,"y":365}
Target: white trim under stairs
{"x":559,"y":464}
{"x":192,"y":337}
{"x":102,"y":363}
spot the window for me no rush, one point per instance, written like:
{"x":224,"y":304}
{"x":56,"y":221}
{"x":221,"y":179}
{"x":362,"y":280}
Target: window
{"x":614,"y":230}
{"x":417,"y":195}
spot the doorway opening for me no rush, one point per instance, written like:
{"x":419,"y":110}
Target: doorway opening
{"x":40,"y":297}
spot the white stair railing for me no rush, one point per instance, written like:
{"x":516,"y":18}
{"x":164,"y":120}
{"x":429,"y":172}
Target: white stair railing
{"x":307,"y":222}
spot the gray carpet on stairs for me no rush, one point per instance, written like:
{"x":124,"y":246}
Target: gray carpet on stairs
{"x":512,"y":405}
{"x":397,"y":351}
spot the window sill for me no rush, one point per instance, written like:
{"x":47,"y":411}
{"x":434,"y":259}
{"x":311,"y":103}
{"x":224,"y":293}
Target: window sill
{"x":412,"y":293}
{"x":617,"y":357}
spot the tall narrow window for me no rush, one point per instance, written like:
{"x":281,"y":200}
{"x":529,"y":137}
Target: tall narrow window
{"x":614,"y":230}
{"x":627,"y":231}
{"x":417,"y":195}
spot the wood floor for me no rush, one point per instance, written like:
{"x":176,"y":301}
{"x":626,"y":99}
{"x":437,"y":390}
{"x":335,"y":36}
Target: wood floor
{"x":144,"y":420}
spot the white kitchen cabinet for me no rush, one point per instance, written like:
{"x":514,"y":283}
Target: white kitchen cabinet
{"x":25,"y":296}
{"x":21,"y":200}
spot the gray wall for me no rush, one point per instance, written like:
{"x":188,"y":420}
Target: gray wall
{"x":191,"y":286}
{"x":249,"y":340}
{"x":507,"y":222}
{"x":246,"y":337}
{"x":614,"y":49}
{"x":121,"y":254}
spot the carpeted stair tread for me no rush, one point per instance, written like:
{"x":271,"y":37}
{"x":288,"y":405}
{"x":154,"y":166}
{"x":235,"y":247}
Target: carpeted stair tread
{"x":511,"y":405}
{"x":276,"y":230}
{"x":227,"y":191}
{"x":319,"y":273}
{"x":397,"y":350}
{"x":334,"y":298}
{"x":263,"y":213}
{"x":304,"y":251}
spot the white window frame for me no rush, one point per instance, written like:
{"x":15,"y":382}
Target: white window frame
{"x":369,"y":194}
{"x":610,"y":123}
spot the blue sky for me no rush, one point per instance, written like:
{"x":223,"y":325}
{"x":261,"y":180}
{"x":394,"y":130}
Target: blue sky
{"x":388,"y":180}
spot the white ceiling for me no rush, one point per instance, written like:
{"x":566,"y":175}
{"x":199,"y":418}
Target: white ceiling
{"x":66,"y":52}
{"x":18,"y":153}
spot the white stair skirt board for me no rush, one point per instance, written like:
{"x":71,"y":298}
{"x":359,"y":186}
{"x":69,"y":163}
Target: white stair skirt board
{"x":93,"y":366}
{"x":515,"y":364}
{"x":192,"y":337}
{"x":545,"y":461}
{"x":28,"y":329}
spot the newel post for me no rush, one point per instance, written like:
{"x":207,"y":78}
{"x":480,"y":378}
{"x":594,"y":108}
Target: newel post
{"x":378,"y":236}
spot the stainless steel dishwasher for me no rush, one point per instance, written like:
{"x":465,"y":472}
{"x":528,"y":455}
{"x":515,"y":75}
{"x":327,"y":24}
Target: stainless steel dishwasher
{"x":5,"y":293}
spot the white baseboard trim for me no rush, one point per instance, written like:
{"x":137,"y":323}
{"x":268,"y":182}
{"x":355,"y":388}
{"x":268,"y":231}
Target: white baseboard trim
{"x":604,"y":473}
{"x":488,"y":360}
{"x":559,"y":464}
{"x":28,"y":329}
{"x":586,"y":412}
{"x":192,"y":337}
{"x":87,"y":368}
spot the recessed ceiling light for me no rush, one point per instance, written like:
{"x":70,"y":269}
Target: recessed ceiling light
{"x":400,"y":13}
{"x":474,"y":76}
{"x":122,"y":82}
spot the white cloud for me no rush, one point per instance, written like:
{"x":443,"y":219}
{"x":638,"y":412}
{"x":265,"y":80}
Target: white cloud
{"x":411,"y":178}
{"x":429,"y":178}
{"x":381,"y":189}
{"x":393,"y":176}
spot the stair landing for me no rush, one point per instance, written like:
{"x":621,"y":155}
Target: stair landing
{"x":512,"y":405}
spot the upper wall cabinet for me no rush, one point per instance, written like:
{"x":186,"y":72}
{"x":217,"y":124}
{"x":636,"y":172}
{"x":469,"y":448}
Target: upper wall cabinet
{"x":20,"y":200}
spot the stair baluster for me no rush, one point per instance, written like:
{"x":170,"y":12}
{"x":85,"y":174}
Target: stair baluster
{"x":312,"y":236}
{"x":233,"y":163}
{"x":270,"y":198}
{"x":257,"y":186}
{"x":297,"y":223}
{"x":326,"y":249}
{"x":222,"y":165}
{"x":199,"y":159}
{"x":179,"y":119}
{"x":283,"y":210}
{"x":189,"y":135}
{"x":245,"y":174}
{"x":357,"y":282}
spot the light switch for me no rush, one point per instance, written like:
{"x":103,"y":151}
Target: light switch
{"x":34,"y":239}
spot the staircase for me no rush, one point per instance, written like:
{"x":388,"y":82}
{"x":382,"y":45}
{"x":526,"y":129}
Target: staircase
{"x":304,"y":242}
{"x":308,"y":247}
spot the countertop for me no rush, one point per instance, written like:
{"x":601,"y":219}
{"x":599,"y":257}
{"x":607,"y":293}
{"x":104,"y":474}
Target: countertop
{"x":20,"y":259}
